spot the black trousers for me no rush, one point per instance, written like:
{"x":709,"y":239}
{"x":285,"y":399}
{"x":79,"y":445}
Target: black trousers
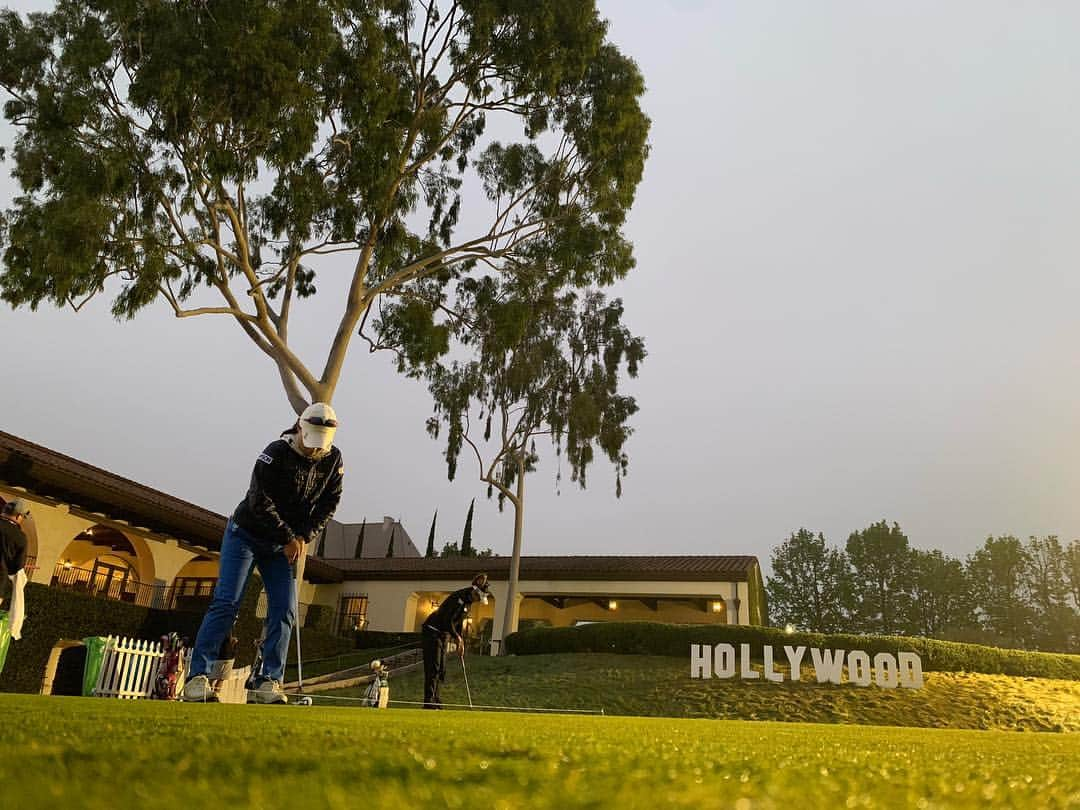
{"x":433,"y":643}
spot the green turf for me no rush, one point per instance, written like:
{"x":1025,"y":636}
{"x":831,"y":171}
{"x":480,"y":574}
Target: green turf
{"x":99,"y":753}
{"x":661,"y":686}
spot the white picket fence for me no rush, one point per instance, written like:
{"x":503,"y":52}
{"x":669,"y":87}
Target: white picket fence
{"x":129,"y":668}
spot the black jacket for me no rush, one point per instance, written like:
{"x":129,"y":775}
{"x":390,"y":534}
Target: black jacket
{"x":449,"y":617}
{"x":12,"y":547}
{"x":290,"y":495}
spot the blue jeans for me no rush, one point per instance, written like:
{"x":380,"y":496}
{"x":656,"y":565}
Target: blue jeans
{"x":240,"y":553}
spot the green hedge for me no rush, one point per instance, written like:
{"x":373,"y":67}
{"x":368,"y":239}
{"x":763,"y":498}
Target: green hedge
{"x":53,"y":614}
{"x":651,"y":638}
{"x":319,"y":617}
{"x":377,"y":639}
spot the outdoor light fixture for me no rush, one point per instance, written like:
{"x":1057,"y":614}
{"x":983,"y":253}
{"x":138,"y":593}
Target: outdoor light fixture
{"x":717,"y":607}
{"x":67,"y":563}
{"x":612,"y":604}
{"x":789,"y":629}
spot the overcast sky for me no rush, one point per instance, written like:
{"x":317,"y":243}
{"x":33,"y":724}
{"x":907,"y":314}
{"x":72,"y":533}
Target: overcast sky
{"x":857,"y":243}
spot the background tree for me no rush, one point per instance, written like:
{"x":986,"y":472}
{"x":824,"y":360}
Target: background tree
{"x":804,"y":589}
{"x":360,"y":540}
{"x":431,"y":536}
{"x":222,"y":157}
{"x":1072,"y":571}
{"x":541,"y":363}
{"x":940,"y":595}
{"x":1046,"y":583}
{"x":880,"y":558}
{"x":466,"y":535}
{"x":997,"y":575}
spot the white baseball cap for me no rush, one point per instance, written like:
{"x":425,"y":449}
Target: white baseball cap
{"x":318,"y":424}
{"x":18,"y":507}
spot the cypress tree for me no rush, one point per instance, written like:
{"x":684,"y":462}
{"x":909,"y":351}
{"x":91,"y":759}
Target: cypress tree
{"x":431,"y":537}
{"x":390,"y":547}
{"x":359,"y":555}
{"x":466,"y":536}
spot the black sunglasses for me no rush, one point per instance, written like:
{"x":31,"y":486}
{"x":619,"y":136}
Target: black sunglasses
{"x":318,"y":421}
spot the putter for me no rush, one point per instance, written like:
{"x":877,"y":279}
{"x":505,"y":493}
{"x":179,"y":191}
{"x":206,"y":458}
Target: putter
{"x":303,"y":700}
{"x":465,"y":675}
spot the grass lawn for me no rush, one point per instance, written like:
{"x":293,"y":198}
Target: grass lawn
{"x":98,"y":753}
{"x":661,"y":686}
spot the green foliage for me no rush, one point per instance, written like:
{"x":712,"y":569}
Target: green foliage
{"x":544,"y":362}
{"x":940,"y":596}
{"x":651,"y":638}
{"x":176,"y":151}
{"x":320,"y":618}
{"x":997,"y":572}
{"x":805,"y":588}
{"x":54,"y":614}
{"x":377,"y":639}
{"x":467,"y":549}
{"x":878,"y":557}
{"x":359,"y":554}
{"x":431,"y":536}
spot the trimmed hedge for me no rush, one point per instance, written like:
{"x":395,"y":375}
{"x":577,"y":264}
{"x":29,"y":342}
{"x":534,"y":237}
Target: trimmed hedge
{"x":376,"y":639}
{"x":319,"y":617}
{"x":653,"y":638}
{"x":53,"y":614}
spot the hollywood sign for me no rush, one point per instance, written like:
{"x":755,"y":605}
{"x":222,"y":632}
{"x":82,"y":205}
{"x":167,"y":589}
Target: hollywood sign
{"x":886,"y":670}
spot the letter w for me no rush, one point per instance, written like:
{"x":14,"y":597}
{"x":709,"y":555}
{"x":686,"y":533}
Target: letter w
{"x":828,"y":664}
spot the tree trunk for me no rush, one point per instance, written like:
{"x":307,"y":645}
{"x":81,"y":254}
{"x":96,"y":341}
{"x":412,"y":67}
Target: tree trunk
{"x":515,"y":559}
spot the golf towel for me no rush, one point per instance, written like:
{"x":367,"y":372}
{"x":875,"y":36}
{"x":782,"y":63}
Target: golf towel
{"x":18,"y":604}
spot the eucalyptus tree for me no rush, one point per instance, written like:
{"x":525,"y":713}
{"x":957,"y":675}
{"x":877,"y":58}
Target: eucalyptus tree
{"x":224,"y":157}
{"x":532,"y":361}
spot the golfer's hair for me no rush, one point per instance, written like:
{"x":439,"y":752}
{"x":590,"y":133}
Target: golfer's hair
{"x":480,"y":580}
{"x":290,"y":431}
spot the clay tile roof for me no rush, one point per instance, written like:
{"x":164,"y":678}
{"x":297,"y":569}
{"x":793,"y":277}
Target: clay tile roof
{"x":46,"y":472}
{"x":666,"y":568}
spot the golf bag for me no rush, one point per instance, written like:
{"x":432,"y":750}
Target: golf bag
{"x":377,"y":695}
{"x":168,"y":676}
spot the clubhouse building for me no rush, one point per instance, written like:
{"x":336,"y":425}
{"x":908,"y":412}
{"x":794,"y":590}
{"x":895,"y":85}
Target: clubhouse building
{"x":98,"y":533}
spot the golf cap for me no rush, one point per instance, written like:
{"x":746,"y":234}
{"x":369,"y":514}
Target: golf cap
{"x":481,"y":581}
{"x":17,"y":507}
{"x":318,"y":424}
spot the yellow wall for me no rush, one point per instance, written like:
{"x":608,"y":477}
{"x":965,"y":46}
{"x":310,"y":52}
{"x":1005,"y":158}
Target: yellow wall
{"x":397,"y":605}
{"x":156,"y":561}
{"x":626,"y":610}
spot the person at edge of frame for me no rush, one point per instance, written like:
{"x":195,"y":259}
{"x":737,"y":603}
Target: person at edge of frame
{"x":13,"y":544}
{"x":447,"y":620}
{"x":295,"y":489}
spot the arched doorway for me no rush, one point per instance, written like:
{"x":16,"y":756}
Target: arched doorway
{"x":193,"y":585}
{"x":104,"y":562}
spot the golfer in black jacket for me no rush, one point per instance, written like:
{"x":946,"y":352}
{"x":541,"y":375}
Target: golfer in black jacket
{"x":448,"y":620}
{"x":294,"y":490}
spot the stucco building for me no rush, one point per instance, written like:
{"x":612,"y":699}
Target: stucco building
{"x":99,"y":533}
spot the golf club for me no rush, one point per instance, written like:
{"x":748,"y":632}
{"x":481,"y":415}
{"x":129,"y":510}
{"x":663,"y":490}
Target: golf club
{"x":302,"y":700}
{"x":466,"y":676}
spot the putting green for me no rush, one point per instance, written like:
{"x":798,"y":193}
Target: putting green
{"x":99,"y":753}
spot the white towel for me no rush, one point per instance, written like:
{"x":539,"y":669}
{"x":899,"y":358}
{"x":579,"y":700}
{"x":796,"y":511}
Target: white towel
{"x":18,"y":604}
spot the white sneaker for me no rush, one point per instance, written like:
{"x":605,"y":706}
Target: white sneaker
{"x":267,"y":692}
{"x":198,"y":690}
